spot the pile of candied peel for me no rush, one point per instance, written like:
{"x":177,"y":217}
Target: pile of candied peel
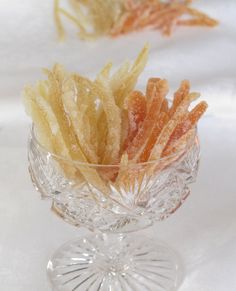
{"x":95,"y":18}
{"x":107,"y":122}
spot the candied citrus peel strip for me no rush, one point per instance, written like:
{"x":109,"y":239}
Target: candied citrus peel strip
{"x":135,"y":148}
{"x":171,"y":125}
{"x":189,"y":122}
{"x":42,"y":126}
{"x":85,"y":98}
{"x":165,"y":106}
{"x":57,"y":19}
{"x":129,"y":81}
{"x":179,"y":145}
{"x":150,"y":87}
{"x":77,"y":116}
{"x":199,"y":18}
{"x":179,"y":95}
{"x":163,"y":119}
{"x":113,"y":118}
{"x":137,"y":108}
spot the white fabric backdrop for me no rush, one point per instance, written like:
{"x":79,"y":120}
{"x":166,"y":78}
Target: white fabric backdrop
{"x":203,"y":230}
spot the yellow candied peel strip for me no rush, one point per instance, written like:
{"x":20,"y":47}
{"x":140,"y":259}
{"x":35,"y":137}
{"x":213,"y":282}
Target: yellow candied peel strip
{"x":77,"y":117}
{"x":129,"y":82}
{"x":40,"y":120}
{"x":57,"y":19}
{"x":113,"y":118}
{"x":46,"y":127}
{"x":87,"y":98}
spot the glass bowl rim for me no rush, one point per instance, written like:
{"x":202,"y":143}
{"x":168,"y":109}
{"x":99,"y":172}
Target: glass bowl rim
{"x":130,"y":164}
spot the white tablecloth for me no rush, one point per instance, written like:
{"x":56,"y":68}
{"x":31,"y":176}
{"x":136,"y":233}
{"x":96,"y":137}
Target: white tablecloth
{"x":203,"y":230}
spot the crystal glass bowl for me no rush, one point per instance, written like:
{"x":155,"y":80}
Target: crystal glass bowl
{"x":114,"y":201}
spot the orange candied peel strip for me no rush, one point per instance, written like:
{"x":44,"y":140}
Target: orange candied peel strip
{"x":137,"y":108}
{"x":171,"y":125}
{"x":179,"y":95}
{"x":161,"y":122}
{"x":159,"y":92}
{"x":165,"y":107}
{"x":179,"y":145}
{"x":199,"y":18}
{"x":188,"y":123}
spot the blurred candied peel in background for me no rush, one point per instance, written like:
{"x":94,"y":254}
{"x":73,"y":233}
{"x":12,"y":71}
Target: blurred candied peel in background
{"x":96,"y":18}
